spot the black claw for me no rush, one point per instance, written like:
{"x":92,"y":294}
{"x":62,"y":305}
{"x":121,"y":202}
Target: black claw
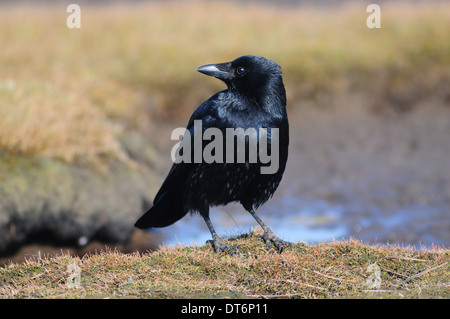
{"x":220,"y":246}
{"x":270,"y":238}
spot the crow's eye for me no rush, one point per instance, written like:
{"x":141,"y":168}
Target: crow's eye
{"x":240,"y":70}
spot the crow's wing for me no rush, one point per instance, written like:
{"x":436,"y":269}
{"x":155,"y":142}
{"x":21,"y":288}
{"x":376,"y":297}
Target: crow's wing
{"x":168,"y":205}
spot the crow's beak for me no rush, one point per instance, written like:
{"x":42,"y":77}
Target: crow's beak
{"x":221,"y":71}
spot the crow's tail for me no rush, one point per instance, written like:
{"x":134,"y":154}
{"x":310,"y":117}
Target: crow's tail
{"x":165,"y":212}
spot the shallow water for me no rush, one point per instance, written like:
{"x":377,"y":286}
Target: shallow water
{"x":318,"y":222}
{"x":421,"y":226}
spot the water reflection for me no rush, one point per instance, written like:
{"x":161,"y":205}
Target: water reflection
{"x":314,"y":221}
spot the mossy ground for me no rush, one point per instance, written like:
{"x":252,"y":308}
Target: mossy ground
{"x":339,"y":269}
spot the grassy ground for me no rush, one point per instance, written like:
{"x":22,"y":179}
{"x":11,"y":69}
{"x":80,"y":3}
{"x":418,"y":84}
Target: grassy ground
{"x":339,"y":269}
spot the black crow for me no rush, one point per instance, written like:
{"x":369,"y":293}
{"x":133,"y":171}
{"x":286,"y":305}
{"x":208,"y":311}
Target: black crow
{"x":255,"y":99}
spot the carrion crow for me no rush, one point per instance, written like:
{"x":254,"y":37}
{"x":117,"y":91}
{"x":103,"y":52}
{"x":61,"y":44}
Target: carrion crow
{"x":255,"y":98}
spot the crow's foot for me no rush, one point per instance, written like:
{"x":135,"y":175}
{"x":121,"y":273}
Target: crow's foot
{"x":220,"y":246}
{"x":270,"y":238}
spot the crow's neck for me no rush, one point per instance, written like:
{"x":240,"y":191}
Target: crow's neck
{"x":271,"y":99}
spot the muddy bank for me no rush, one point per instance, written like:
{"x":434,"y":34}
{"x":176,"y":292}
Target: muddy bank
{"x":138,"y":241}
{"x":51,"y":203}
{"x":386,"y":173}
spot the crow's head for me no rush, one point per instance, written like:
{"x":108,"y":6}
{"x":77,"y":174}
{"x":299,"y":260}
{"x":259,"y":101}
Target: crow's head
{"x":253,"y":76}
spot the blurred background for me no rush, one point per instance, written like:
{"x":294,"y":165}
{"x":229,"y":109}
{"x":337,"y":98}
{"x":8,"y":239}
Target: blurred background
{"x":86,"y":116}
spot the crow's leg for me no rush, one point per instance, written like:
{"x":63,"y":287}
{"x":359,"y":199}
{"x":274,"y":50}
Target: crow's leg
{"x":217,"y":242}
{"x":268,"y":236}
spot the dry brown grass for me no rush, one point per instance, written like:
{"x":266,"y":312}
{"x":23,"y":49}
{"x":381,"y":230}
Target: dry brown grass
{"x":37,"y":118}
{"x":326,"y":270}
{"x":66,"y":93}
